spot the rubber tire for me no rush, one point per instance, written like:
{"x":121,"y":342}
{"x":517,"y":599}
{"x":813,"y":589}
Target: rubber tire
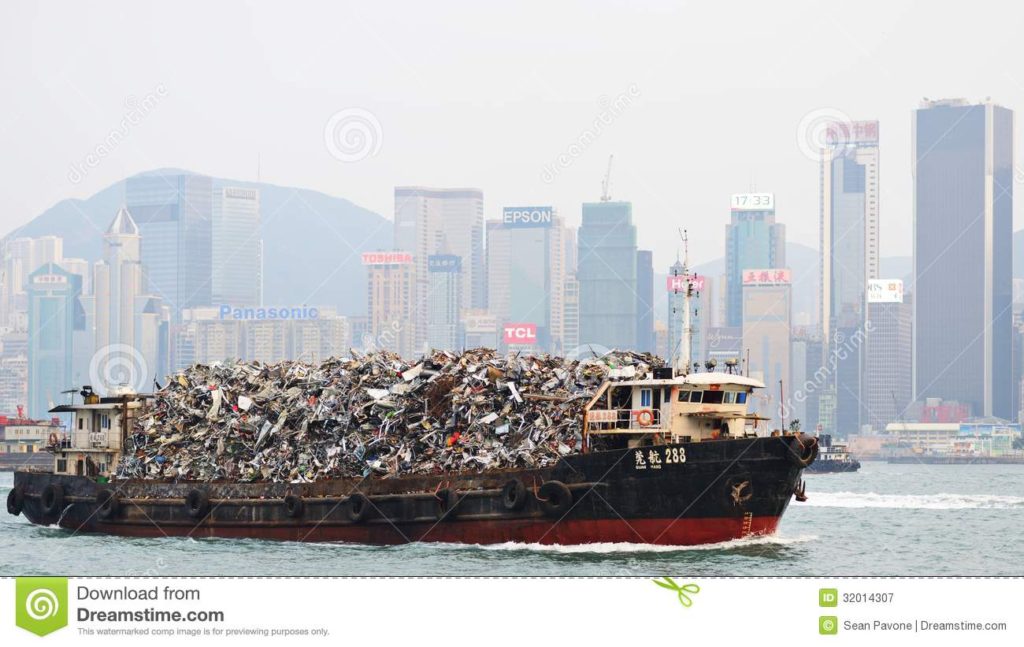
{"x":447,"y":503}
{"x":555,"y":498}
{"x":197,"y":503}
{"x":801,"y":455}
{"x":52,"y":499}
{"x":513,"y":495}
{"x":16,"y":500}
{"x":358,"y":508}
{"x":293,"y":506}
{"x":107,"y":504}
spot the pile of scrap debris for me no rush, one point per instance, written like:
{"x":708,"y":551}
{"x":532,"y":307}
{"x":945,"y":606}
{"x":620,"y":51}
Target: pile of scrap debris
{"x":371,"y":415}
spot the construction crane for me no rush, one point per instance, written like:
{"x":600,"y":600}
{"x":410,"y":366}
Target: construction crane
{"x":606,"y":183}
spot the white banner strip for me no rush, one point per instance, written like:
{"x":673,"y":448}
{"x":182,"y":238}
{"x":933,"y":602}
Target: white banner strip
{"x":513,"y":611}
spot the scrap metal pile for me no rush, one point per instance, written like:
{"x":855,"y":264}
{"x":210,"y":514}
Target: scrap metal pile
{"x":371,"y":415}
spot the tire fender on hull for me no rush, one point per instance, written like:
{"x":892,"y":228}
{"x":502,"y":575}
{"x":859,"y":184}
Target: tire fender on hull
{"x":555,"y":498}
{"x":197,"y":503}
{"x":16,"y":500}
{"x":107,"y":504}
{"x":52,"y":500}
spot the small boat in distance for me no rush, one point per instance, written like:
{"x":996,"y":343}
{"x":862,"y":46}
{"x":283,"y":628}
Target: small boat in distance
{"x":833,"y":457}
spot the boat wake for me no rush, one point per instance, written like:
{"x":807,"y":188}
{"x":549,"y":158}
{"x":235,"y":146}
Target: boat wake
{"x":942,"y":501}
{"x":625,"y":547}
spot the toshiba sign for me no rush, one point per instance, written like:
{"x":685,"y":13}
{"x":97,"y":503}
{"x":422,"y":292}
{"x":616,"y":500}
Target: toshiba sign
{"x":520,"y":333}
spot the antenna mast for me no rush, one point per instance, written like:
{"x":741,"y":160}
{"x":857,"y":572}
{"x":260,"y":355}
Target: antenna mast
{"x":606,"y":183}
{"x":684,"y":360}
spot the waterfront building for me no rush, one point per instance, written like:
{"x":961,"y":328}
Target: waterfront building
{"x":963,"y":229}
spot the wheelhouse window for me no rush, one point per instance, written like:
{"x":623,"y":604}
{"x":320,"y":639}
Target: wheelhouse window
{"x":713,"y":397}
{"x":730,"y":397}
{"x":741,"y":397}
{"x":645,"y":398}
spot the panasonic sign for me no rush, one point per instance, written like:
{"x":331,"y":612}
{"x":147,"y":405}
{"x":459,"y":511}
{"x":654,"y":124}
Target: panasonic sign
{"x":299,"y":313}
{"x":527,"y":216}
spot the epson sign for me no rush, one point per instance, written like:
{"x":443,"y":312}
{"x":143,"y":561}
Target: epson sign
{"x":527,"y":216}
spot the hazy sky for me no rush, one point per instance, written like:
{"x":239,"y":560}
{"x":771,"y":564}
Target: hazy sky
{"x":711,"y":99}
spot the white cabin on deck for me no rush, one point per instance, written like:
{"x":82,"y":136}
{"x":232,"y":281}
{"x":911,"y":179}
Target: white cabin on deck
{"x":690,"y":408}
{"x":99,"y":428}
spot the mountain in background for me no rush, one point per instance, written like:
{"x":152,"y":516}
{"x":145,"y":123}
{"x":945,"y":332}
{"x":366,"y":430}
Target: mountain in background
{"x":311,"y":241}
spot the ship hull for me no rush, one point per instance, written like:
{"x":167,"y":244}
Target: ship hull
{"x":684,"y":494}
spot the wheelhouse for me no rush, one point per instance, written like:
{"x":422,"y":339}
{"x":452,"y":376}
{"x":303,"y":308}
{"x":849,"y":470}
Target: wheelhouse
{"x":690,"y":408}
{"x":97,"y":434}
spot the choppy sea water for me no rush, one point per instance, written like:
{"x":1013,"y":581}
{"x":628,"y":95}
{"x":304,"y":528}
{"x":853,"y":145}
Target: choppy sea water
{"x":883,"y":520}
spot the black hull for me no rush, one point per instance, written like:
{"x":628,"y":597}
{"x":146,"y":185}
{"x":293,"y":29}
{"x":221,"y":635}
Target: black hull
{"x":683,"y":494}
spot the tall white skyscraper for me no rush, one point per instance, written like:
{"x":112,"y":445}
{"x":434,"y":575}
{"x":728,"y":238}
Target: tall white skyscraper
{"x":237,"y":249}
{"x":132,"y":328}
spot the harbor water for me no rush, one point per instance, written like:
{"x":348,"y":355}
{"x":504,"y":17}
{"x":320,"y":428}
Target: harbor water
{"x":883,"y":520}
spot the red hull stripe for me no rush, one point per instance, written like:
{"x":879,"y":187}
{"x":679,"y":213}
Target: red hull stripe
{"x":668,"y":532}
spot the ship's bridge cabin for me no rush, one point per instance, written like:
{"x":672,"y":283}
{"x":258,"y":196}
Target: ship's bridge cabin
{"x":98,"y":430}
{"x":686,"y":408}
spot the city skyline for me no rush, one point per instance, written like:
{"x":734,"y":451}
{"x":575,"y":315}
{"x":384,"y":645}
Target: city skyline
{"x":675,"y":136}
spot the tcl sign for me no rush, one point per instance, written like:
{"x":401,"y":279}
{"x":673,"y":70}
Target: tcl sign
{"x":520,"y":333}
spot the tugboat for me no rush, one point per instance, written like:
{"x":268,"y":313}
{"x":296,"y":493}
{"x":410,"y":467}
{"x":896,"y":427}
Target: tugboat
{"x":670,"y":458}
{"x":833,"y":457}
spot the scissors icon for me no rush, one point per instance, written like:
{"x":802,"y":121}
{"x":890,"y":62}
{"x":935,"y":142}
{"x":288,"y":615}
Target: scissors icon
{"x":682,"y":591}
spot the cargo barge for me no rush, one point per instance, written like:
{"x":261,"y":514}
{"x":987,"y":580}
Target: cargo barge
{"x":687,"y":472}
{"x":671,"y":457}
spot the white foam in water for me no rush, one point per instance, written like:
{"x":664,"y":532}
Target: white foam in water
{"x":624,"y":547}
{"x":940,"y":501}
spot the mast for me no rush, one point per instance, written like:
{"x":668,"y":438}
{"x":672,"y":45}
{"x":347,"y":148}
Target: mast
{"x":683,"y":359}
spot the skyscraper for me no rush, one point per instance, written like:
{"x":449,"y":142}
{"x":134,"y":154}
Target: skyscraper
{"x":54,"y":314}
{"x":848,"y":257}
{"x":767,"y":326}
{"x":237,"y":247}
{"x":887,"y":367}
{"x":606,"y":271}
{"x":442,"y":221}
{"x":118,"y":280}
{"x":525,"y":274}
{"x":753,"y":240}
{"x":645,"y":301}
{"x":963,"y":202}
{"x":390,"y":302}
{"x":445,"y":302}
{"x":173,"y":213}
